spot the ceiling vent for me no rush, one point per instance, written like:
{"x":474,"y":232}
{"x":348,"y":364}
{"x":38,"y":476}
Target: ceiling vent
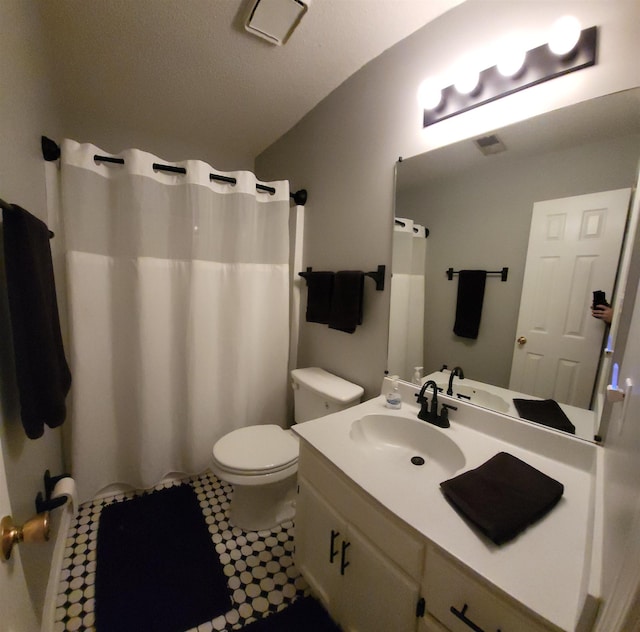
{"x":275,"y":20}
{"x":490,"y":144}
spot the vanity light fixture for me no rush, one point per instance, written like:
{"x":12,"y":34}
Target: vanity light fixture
{"x":569,"y":49}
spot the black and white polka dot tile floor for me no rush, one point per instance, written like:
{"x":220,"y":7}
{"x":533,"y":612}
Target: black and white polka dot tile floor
{"x":259,"y":564}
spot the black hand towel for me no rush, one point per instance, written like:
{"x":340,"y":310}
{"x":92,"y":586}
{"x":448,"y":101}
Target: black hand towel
{"x":546,"y":412}
{"x":469,"y":305}
{"x":503,"y":496}
{"x":42,"y":373}
{"x":319,"y":290}
{"x":346,"y":300}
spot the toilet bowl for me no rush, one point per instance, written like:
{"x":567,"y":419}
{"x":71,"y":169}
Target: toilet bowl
{"x":261,"y":462}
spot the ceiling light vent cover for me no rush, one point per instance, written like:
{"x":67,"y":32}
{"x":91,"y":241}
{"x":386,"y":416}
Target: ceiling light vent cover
{"x":490,"y":144}
{"x":275,"y":20}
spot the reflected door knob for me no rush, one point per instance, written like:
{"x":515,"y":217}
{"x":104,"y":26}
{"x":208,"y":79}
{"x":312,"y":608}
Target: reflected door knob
{"x":522,"y":340}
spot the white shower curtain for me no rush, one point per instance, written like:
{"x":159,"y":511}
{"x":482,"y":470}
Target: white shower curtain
{"x":178,"y":307}
{"x":406,"y":319}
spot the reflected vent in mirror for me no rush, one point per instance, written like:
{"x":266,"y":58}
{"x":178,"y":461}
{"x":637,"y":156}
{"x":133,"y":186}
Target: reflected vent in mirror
{"x":490,"y":144}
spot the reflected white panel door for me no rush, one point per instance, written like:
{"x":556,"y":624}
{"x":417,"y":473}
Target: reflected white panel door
{"x":574,"y":247}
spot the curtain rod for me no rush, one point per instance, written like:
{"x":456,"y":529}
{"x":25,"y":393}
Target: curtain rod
{"x":51,"y":152}
{"x":398,"y":222}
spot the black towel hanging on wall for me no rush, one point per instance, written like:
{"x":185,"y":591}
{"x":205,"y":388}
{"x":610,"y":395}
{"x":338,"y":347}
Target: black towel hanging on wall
{"x":42,"y":373}
{"x":319,"y":290}
{"x":346,"y":301}
{"x":471,"y":285}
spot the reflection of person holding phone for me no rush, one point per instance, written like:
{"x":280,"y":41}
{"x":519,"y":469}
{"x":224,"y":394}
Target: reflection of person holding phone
{"x":600,"y":308}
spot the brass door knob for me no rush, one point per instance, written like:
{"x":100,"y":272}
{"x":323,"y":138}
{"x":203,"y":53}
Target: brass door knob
{"x":522,"y":340}
{"x":34,"y":530}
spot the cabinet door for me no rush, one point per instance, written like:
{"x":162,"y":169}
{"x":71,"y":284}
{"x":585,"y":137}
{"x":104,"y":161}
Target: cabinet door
{"x":461,"y":602}
{"x":378,"y":596}
{"x":319,"y":536}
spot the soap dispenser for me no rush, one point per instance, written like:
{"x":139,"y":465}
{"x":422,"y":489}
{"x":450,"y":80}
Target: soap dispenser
{"x":417,"y":375}
{"x":394,"y":399}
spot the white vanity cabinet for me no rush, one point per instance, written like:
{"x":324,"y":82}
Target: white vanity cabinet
{"x":346,"y":551}
{"x":374,"y":573}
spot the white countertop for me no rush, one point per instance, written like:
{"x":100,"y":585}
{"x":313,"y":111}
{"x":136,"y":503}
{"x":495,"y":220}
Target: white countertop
{"x":546,"y":568}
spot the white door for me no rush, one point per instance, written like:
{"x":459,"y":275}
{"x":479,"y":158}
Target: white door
{"x":574,"y":247}
{"x":15,"y":604}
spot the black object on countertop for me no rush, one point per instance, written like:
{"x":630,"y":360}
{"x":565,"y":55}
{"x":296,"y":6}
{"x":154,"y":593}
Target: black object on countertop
{"x":503,"y":496}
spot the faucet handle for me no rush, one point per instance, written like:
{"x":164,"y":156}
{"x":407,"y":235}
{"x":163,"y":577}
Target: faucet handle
{"x":444,"y":413}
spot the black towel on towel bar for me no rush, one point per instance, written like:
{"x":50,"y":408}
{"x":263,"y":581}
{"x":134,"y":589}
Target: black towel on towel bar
{"x":319,"y":290}
{"x":503,"y":496}
{"x":346,"y":300}
{"x":42,"y":373}
{"x":469,"y":304}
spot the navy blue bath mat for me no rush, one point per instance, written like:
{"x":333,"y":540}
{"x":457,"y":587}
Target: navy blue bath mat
{"x":157,"y":568}
{"x":305,"y":613}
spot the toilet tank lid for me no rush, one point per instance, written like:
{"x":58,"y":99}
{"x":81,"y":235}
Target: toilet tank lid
{"x":330,"y":386}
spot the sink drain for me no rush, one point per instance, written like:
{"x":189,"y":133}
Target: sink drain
{"x":417,"y":460}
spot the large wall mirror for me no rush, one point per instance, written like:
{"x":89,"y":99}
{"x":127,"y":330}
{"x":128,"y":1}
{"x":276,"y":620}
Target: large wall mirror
{"x":551,"y":206}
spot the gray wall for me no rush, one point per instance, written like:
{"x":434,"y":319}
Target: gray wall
{"x":480,"y":219}
{"x":345,"y":149}
{"x":26,"y":112}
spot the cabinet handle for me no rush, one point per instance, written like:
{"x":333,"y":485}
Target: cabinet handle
{"x":461,"y":615}
{"x":343,"y":560}
{"x":332,"y":551}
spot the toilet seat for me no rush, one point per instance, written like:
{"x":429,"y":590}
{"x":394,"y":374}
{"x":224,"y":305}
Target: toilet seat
{"x":256,"y":450}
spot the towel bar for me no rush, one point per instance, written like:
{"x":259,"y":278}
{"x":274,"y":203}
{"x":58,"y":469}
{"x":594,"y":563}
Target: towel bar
{"x":377,"y":276}
{"x":504,"y":273}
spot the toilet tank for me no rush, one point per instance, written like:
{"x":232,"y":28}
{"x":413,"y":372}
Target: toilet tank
{"x":317,"y":392}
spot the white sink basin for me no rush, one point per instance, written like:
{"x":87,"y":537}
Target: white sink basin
{"x":478,"y":396}
{"x":408,"y":442}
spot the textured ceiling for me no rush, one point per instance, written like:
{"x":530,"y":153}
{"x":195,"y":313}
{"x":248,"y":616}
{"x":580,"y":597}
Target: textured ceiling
{"x":187,"y":69}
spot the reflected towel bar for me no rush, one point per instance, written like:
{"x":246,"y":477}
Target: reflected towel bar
{"x":504,"y":273}
{"x":377,"y":276}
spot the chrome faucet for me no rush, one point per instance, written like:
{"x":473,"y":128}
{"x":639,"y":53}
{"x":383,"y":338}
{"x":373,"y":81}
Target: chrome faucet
{"x":441,"y":420}
{"x":456,"y":371}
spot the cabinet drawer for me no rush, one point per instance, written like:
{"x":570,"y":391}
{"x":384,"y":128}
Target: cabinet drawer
{"x":448,"y":587}
{"x":384,"y":530}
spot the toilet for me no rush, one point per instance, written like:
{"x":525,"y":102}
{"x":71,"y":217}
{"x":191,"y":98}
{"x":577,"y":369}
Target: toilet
{"x":261,"y":461}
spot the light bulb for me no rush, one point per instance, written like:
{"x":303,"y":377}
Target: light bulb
{"x":564,"y":35}
{"x":429,"y":95}
{"x":511,"y":62}
{"x":467,"y":81}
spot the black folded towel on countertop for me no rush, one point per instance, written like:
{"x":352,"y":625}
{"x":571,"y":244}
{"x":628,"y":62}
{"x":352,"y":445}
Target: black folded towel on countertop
{"x":42,"y":373}
{"x":319,"y":291}
{"x":346,"y":300}
{"x":503,"y":496}
{"x":469,"y":303}
{"x":546,"y":412}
